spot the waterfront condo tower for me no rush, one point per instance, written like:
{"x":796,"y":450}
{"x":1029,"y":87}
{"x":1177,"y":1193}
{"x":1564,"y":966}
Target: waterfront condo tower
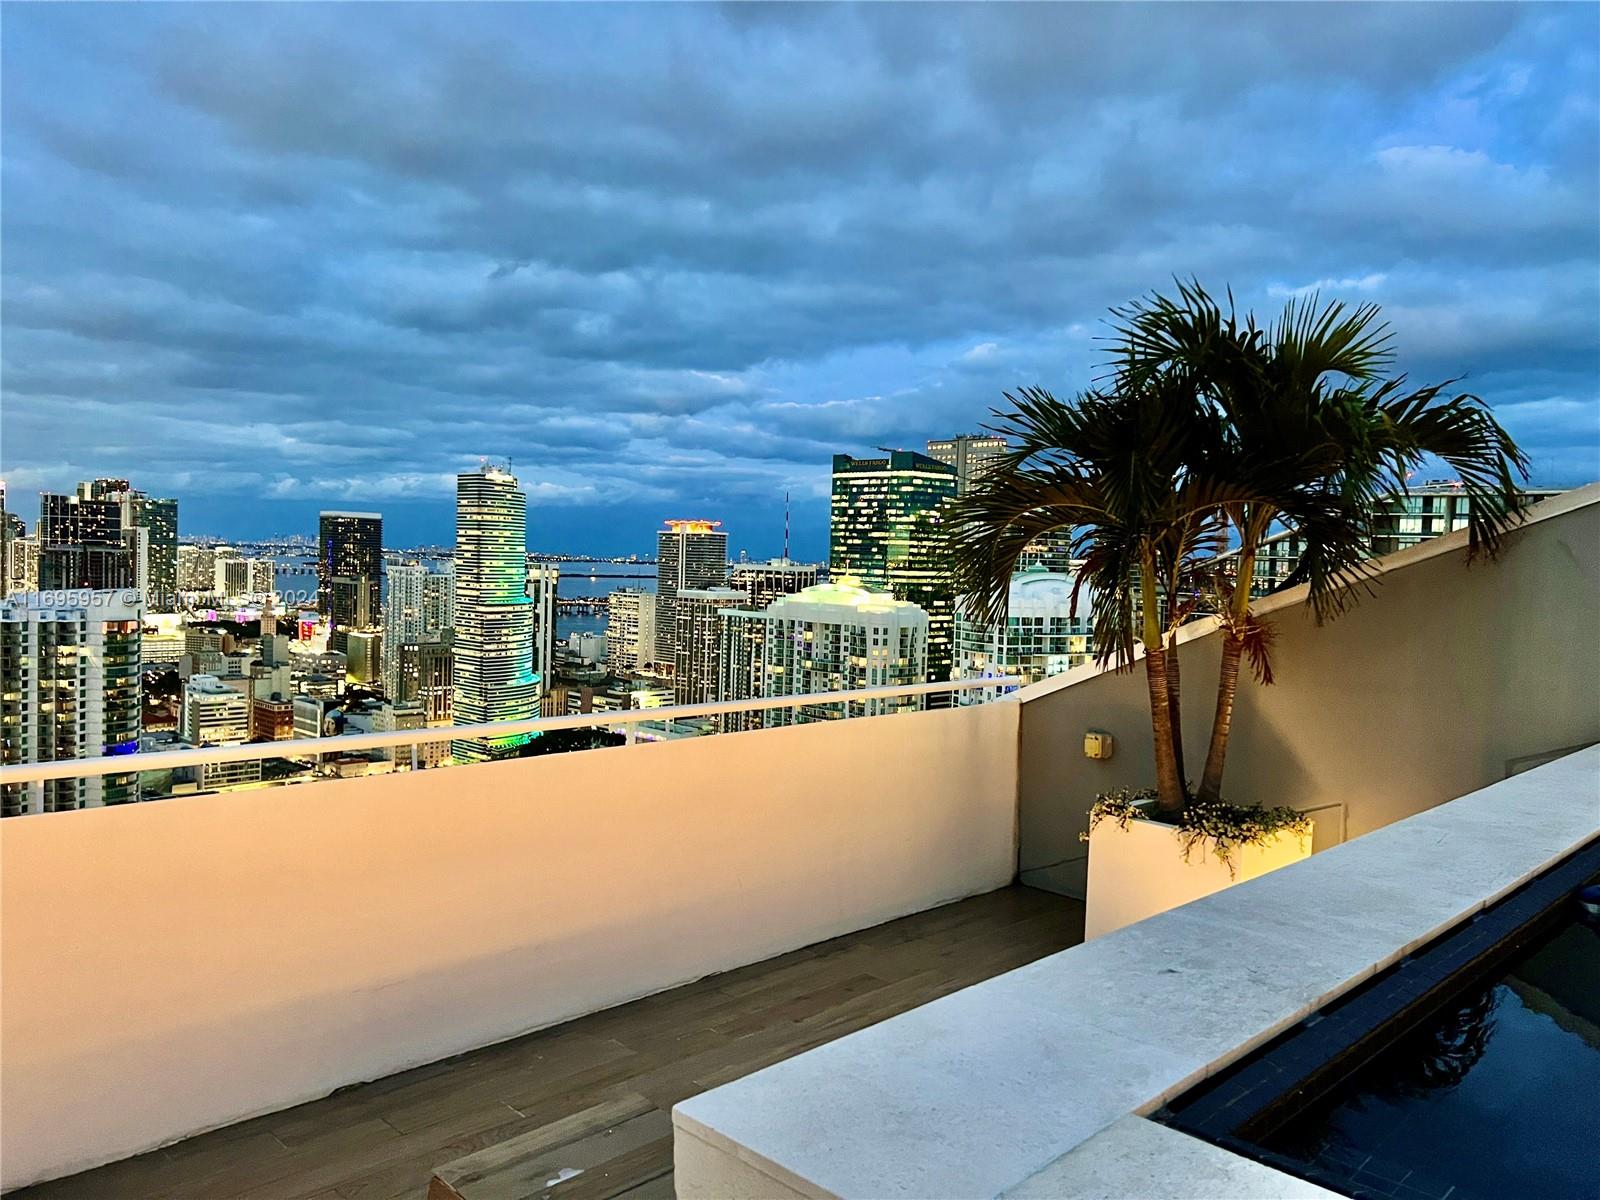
{"x":494,"y":617}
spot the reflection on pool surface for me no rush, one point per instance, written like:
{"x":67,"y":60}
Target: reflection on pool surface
{"x":1496,"y":1096}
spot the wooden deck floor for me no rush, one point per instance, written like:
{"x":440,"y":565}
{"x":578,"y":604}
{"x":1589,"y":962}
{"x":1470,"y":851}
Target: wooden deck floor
{"x":385,"y":1138}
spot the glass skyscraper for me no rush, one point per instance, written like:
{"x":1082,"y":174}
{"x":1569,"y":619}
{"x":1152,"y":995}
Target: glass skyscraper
{"x":689,"y":554}
{"x":494,"y":617}
{"x":886,"y":533}
{"x":349,"y":573}
{"x":158,"y":516}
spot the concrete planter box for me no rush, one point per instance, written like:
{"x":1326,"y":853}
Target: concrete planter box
{"x":1140,"y":871}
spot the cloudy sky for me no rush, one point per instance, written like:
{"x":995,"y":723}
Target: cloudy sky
{"x":669,"y":259}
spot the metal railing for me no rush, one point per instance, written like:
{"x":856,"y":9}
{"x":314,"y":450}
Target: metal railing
{"x":630,"y":719}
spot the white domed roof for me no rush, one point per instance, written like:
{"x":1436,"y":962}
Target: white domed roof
{"x":1040,"y":592}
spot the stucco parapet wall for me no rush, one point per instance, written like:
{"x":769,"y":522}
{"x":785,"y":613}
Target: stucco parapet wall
{"x":977,"y":1092}
{"x":1295,"y":597}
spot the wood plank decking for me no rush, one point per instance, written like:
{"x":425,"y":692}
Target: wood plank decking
{"x":592,"y":1095}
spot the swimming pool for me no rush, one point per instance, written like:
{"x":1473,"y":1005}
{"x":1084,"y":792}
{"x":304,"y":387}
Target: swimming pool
{"x":1470,"y":1071}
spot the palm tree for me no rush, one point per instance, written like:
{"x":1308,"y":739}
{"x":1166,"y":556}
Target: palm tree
{"x":1322,"y":437}
{"x":1118,"y":469}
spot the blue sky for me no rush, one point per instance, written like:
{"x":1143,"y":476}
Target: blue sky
{"x":669,"y":259}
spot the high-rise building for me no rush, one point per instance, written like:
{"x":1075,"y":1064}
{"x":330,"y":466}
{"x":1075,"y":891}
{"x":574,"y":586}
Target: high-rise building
{"x":403,"y":618}
{"x":12,"y":531}
{"x":1040,"y":636}
{"x":832,"y":637}
{"x":886,"y":533}
{"x":364,"y":658}
{"x":1428,"y":510}
{"x":971,"y":454}
{"x":349,"y":573}
{"x":439,"y":599}
{"x":630,"y":630}
{"x":398,"y":715}
{"x":427,"y":677}
{"x":83,"y":543}
{"x":197,"y":568}
{"x":544,"y":582}
{"x":158,"y":517}
{"x":699,"y":641}
{"x":689,"y":554}
{"x":215,"y":714}
{"x":494,"y":645}
{"x":764,"y":582}
{"x":69,"y":688}
{"x":24,"y":564}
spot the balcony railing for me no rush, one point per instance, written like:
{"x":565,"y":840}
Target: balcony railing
{"x":628,"y":721}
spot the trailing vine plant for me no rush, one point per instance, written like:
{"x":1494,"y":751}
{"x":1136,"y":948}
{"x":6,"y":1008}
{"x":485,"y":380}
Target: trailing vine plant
{"x":1228,"y":827}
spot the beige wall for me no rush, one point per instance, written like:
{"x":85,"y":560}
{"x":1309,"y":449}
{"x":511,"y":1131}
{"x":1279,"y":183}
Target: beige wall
{"x":1427,"y":690}
{"x":174,"y":966}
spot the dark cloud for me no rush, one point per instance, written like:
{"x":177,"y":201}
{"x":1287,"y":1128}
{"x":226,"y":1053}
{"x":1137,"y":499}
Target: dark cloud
{"x":271,"y":256}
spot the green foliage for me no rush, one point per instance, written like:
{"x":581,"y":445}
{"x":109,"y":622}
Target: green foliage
{"x":1224,"y":827}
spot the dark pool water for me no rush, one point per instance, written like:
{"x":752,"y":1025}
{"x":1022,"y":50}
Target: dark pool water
{"x":1499,"y":1096}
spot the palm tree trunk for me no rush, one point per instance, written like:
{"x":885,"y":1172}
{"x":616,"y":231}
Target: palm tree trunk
{"x":1227,"y":681}
{"x":1169,"y":786}
{"x":1175,"y":710}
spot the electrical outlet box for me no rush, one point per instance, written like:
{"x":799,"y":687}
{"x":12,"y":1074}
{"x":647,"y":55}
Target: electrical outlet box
{"x":1098,"y":745}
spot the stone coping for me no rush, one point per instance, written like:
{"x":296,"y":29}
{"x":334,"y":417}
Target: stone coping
{"x":978,"y":1092}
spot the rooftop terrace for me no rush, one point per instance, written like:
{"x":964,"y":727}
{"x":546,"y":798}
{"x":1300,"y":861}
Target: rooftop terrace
{"x":244,"y":963}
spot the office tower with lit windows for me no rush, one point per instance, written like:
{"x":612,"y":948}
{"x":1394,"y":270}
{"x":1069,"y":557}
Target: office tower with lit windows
{"x":196,"y":568}
{"x":630,"y":630}
{"x":689,"y":554}
{"x":12,"y":531}
{"x":544,"y":582}
{"x":971,"y":454}
{"x":364,"y":658}
{"x":439,"y":599}
{"x":158,"y":517}
{"x":215,"y":714}
{"x":349,"y":573}
{"x":427,"y":677}
{"x":832,"y":637}
{"x":764,"y":582}
{"x":699,"y":641}
{"x":403,"y":618}
{"x":886,"y":532}
{"x":494,"y":617}
{"x":69,"y":688}
{"x":83,"y":542}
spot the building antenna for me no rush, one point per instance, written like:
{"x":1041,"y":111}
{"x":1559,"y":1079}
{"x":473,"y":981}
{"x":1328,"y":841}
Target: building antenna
{"x":785,"y":524}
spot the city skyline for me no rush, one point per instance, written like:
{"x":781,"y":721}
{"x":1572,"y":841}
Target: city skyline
{"x":649,"y":310}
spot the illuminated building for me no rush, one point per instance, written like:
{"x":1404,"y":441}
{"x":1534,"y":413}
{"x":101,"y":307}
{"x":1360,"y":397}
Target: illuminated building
{"x":1399,"y":522}
{"x":349,"y":572}
{"x":832,"y":637}
{"x":397,"y":715}
{"x":83,"y":542}
{"x":494,"y":617}
{"x":364,"y":657}
{"x":427,"y":677}
{"x":764,"y":582}
{"x":544,"y":581}
{"x":196,"y":568}
{"x":403,"y":618}
{"x":630,"y":630}
{"x":886,"y":532}
{"x":12,"y":531}
{"x":1039,"y":638}
{"x":699,"y":641}
{"x":439,"y":599}
{"x":69,"y":688}
{"x":689,"y":554}
{"x":971,"y":454}
{"x":215,"y":714}
{"x":158,"y":517}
